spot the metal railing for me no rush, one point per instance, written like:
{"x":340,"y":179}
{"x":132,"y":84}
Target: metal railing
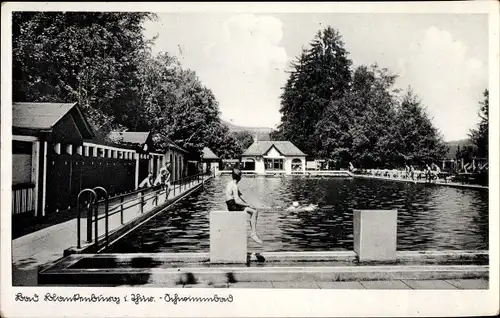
{"x":127,"y":201}
{"x":89,"y":205}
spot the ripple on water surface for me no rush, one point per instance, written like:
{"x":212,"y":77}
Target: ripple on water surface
{"x":429,"y":217}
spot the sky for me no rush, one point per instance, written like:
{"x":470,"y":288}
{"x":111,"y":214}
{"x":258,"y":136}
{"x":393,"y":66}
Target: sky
{"x":242,"y":57}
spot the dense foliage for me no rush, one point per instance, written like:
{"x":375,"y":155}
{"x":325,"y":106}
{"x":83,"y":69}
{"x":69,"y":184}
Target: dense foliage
{"x":321,"y":75}
{"x":332,"y":111}
{"x":479,"y":136}
{"x":104,"y":62}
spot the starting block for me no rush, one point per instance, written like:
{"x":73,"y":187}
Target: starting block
{"x":228,"y":237}
{"x":375,"y":234}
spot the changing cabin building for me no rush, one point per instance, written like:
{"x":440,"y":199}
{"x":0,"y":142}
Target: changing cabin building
{"x":151,"y":159}
{"x":211,"y":161}
{"x":39,"y":131}
{"x":55,"y":155}
{"x":274,"y":157}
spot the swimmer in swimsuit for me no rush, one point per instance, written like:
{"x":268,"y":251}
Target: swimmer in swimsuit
{"x":296,"y":206}
{"x":235,"y":202}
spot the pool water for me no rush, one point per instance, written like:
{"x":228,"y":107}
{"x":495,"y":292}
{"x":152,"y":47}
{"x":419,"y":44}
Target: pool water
{"x":430,"y":217}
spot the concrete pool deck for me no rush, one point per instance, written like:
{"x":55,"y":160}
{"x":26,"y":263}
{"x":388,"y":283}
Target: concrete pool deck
{"x":441,"y":183}
{"x":455,"y":284}
{"x":277,"y":270}
{"x":47,"y":245}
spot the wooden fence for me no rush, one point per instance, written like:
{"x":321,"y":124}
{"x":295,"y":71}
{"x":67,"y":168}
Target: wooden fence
{"x":67,"y":175}
{"x":23,"y":198}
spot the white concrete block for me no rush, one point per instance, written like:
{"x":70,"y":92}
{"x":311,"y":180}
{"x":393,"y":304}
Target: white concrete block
{"x":228,"y":237}
{"x":375,"y":233}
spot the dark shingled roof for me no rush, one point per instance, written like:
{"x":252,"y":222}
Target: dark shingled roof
{"x":286,"y":148}
{"x":130,"y":137}
{"x":172,"y":144}
{"x":208,"y":154}
{"x":139,"y":138}
{"x":38,"y":115}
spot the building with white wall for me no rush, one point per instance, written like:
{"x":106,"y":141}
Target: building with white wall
{"x":274,"y":157}
{"x":41,"y":131}
{"x":151,"y":159}
{"x":210,"y":160}
{"x":55,"y":155}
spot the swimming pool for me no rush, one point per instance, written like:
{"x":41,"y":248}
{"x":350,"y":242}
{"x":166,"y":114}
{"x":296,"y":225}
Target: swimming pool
{"x":430,"y":217}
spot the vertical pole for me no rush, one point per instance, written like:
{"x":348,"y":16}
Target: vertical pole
{"x":78,"y":230}
{"x":121,"y":209}
{"x":136,"y":170}
{"x":89,"y":222}
{"x":142,"y":202}
{"x":106,"y":206}
{"x":36,"y":174}
{"x":96,"y":210}
{"x":22,"y":199}
{"x":44,"y":187}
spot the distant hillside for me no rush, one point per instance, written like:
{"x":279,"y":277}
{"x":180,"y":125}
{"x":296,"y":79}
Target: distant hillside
{"x":261,"y":132}
{"x":453,"y":147}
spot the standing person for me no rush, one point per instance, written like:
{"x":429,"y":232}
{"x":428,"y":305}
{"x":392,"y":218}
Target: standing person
{"x":428,"y":173}
{"x":235,"y":202}
{"x":436,"y":170}
{"x":163,"y":178}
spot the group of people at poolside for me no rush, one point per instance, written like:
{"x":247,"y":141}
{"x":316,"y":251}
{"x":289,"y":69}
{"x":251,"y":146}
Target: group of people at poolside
{"x":430,"y":172}
{"x":235,"y":202}
{"x":162,"y":179}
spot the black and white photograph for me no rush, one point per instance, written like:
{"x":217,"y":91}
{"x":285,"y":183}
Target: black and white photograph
{"x":257,"y":150}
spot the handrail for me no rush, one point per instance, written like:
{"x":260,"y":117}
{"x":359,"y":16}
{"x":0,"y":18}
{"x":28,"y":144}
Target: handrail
{"x":89,"y":207}
{"x":128,"y":201}
{"x":145,"y":195}
{"x":106,"y":205}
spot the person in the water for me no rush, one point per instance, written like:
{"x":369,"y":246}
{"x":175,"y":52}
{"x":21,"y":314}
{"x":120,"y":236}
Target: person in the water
{"x":235,"y":202}
{"x":296,"y":206}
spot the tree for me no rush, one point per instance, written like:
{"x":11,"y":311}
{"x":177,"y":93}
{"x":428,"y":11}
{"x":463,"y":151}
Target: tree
{"x":359,"y":126}
{"x":320,"y":75}
{"x":333,"y":113}
{"x":223,"y":142}
{"x":103,"y":61}
{"x":419,"y":141}
{"x":88,"y":57}
{"x":243,"y":140}
{"x":178,"y":107}
{"x":479,"y":136}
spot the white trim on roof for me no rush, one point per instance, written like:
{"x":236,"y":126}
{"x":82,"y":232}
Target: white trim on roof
{"x":274,"y":157}
{"x":25,"y":138}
